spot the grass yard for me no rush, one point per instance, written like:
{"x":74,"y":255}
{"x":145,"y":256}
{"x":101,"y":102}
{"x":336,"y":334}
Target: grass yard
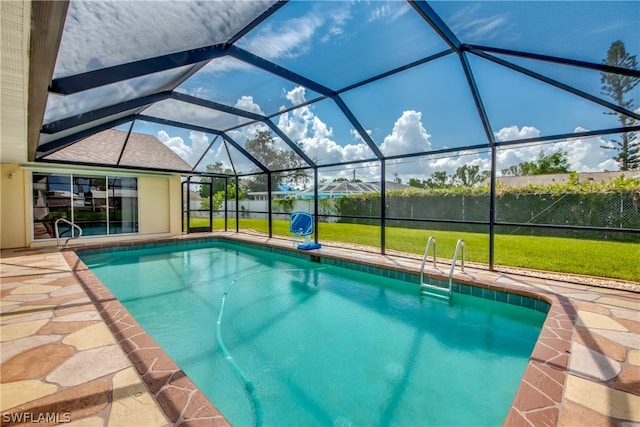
{"x":619,"y":260}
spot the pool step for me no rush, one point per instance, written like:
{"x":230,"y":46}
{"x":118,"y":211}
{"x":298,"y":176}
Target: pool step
{"x":434,"y":291}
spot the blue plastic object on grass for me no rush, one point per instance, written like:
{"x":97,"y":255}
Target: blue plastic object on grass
{"x":302,"y":225}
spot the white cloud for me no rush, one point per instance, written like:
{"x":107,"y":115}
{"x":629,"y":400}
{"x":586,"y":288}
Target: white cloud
{"x":422,"y":168}
{"x":512,"y":133}
{"x":408,"y":135}
{"x":296,"y":95}
{"x":388,"y":11}
{"x":470,"y":24}
{"x":584,"y":154}
{"x":289,"y":40}
{"x":190,"y":152}
{"x":246,"y":103}
{"x":316,"y":137}
{"x":100,"y":34}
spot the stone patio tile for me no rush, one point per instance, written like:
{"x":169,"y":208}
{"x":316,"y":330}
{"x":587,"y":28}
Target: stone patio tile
{"x":627,"y":314}
{"x":619,"y":302}
{"x":173,"y":401}
{"x":87,"y":422}
{"x":34,"y":307}
{"x":132,"y":403}
{"x":589,"y":307}
{"x":634,"y":357}
{"x":20,"y":330}
{"x":34,"y":289}
{"x":20,"y":392}
{"x":64,"y":328}
{"x":200,"y":407}
{"x":540,"y":380}
{"x":40,"y":280}
{"x":515,"y":418}
{"x":625,"y":338}
{"x":602,"y":399}
{"x":598,"y":321}
{"x":11,"y":318}
{"x":35,"y":362}
{"x":68,"y":290}
{"x":574,"y":415}
{"x":63,"y":311}
{"x":92,"y":336}
{"x":79,"y":301}
{"x":627,"y":380}
{"x":590,"y":364}
{"x":64,"y":300}
{"x":87,"y":314}
{"x":25,"y":298}
{"x":530,"y":398}
{"x":88,"y":365}
{"x":8,"y":308}
{"x":612,"y":349}
{"x":582,"y":296}
{"x":12,"y":348}
{"x":85,"y":400}
{"x":543,"y":417}
{"x":9,"y":283}
{"x":631,"y":325}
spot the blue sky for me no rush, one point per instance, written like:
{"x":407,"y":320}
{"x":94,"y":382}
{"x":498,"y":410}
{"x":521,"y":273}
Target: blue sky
{"x":339,"y":43}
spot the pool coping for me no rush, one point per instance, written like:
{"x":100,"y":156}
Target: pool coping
{"x":539,"y":398}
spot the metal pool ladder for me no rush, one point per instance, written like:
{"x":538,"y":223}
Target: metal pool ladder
{"x":459,"y":245}
{"x":438,"y":291}
{"x":428,"y":288}
{"x":66,"y":221}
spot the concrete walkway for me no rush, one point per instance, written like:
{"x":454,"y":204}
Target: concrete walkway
{"x":71,"y":352}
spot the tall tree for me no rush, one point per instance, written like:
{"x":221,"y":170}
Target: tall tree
{"x":617,"y":86}
{"x":469,"y":175}
{"x":557,"y":162}
{"x":438,"y":179}
{"x":217,"y":187}
{"x":218,"y":184}
{"x":264,"y":149}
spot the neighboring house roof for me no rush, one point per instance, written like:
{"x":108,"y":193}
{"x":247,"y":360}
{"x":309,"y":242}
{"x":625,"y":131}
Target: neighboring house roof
{"x":560,"y":178}
{"x":347,"y":188}
{"x":141,"y":150}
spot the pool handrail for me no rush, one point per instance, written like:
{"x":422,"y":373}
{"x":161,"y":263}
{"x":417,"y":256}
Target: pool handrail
{"x":66,"y":221}
{"x":459,"y":245}
{"x":431,"y":240}
{"x":428,"y":288}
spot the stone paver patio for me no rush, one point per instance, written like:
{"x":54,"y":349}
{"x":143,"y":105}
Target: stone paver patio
{"x":70,"y":352}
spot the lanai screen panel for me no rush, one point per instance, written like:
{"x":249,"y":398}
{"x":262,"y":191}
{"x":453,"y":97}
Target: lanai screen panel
{"x":267,"y":147}
{"x":174,"y":147}
{"x":85,"y":129}
{"x":463,"y":74}
{"x":585,"y":80}
{"x":323,"y":132}
{"x":521,"y":107}
{"x":406,"y":113}
{"x":238,"y":84}
{"x":216,"y":159}
{"x":101,"y":34}
{"x":61,"y":107}
{"x":580,"y":30}
{"x":331,"y":42}
{"x":191,"y":114}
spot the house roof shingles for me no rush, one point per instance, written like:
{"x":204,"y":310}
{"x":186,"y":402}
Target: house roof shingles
{"x":142,"y":150}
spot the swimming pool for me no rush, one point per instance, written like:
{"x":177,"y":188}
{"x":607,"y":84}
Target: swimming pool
{"x":306,"y":343}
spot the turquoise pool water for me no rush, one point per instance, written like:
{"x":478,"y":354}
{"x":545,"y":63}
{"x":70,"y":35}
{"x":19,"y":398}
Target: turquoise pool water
{"x":281,"y":341}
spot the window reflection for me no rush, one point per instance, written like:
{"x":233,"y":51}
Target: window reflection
{"x":99,"y":205}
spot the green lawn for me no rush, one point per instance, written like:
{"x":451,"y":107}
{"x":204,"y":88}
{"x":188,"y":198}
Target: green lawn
{"x":589,"y":257}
